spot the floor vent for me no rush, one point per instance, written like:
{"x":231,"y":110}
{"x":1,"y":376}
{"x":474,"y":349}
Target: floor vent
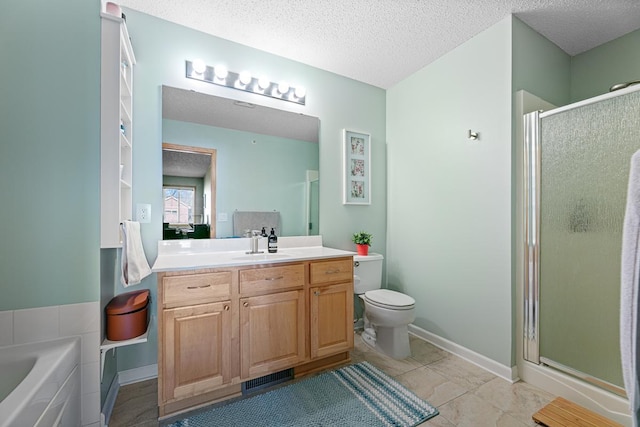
{"x":258,"y":384}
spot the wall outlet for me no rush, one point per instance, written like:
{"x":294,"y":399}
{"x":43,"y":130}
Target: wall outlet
{"x":143,"y":213}
{"x":222,"y":217}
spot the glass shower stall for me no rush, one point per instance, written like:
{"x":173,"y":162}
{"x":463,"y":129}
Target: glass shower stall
{"x":576,"y":174}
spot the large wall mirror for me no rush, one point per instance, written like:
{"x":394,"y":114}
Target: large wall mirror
{"x":263,"y":166}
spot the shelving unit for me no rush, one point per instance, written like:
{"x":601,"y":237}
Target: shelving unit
{"x":116,"y":129}
{"x":112,"y":345}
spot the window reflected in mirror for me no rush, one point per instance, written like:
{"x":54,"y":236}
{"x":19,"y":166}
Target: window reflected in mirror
{"x":188,"y":186}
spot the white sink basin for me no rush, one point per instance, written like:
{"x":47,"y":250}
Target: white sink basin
{"x":262,"y":257}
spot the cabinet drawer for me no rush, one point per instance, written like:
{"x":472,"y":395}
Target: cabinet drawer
{"x":272,"y":279}
{"x":196,"y":288}
{"x":331,"y":271}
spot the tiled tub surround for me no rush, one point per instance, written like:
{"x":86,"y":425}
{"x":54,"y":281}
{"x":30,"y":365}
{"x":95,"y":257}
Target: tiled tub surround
{"x":47,"y":323}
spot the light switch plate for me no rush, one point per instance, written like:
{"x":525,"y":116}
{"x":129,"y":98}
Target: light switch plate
{"x":143,"y":213}
{"x":222,"y":217}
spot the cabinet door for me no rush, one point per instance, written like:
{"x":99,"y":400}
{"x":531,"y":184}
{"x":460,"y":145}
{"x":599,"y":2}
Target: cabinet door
{"x":331,"y":328}
{"x":272,"y":332}
{"x":196,"y":349}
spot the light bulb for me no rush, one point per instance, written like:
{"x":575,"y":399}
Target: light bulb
{"x":221,"y":72}
{"x":199,"y":66}
{"x":283,"y":87}
{"x":300,"y":92}
{"x":263,"y":82}
{"x":245,"y":77}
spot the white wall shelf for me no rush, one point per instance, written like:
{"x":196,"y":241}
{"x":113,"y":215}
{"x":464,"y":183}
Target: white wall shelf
{"x":112,"y":345}
{"x":116,"y":130}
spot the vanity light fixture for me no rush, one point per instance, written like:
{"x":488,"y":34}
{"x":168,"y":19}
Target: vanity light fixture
{"x":245,"y":78}
{"x":263,"y":82}
{"x":283,"y":88}
{"x":245,"y":81}
{"x":221,"y":72}
{"x":300,"y":92}
{"x":199,"y":66}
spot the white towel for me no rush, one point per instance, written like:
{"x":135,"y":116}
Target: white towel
{"x":134,"y":262}
{"x":629,"y":290}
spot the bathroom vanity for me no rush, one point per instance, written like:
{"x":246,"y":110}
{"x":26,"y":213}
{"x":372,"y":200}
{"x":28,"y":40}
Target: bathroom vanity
{"x":226,"y":317}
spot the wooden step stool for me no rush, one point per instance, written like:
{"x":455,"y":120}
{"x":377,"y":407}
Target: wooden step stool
{"x":562,"y":413}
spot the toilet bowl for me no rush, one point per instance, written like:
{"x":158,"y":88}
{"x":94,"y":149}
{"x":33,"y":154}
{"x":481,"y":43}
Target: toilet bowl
{"x":387,"y":313}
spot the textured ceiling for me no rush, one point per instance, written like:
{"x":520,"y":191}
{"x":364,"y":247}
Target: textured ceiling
{"x":381,"y":42}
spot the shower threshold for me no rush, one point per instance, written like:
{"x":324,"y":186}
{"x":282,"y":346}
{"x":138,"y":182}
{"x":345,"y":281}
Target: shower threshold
{"x":584,"y":377}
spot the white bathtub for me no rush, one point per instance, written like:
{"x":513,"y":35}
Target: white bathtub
{"x":40,"y":384}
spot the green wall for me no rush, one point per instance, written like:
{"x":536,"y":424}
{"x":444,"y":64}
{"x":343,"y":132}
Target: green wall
{"x":539,"y":66}
{"x":449,"y":222}
{"x":595,"y":71}
{"x":49,"y":152}
{"x":272,"y":168}
{"x":161,"y":49}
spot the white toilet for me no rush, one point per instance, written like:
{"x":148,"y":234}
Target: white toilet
{"x":387,"y":313}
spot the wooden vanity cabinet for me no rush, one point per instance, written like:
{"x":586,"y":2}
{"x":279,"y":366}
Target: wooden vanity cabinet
{"x":221,"y":327}
{"x":195,"y":345}
{"x":331,"y":307}
{"x":272,"y":319}
{"x":197,"y":356}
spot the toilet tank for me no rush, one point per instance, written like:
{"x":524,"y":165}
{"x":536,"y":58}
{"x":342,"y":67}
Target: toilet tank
{"x":367,"y":272}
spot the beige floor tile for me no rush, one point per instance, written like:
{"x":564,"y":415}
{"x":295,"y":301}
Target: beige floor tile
{"x":424,"y":352}
{"x":519,"y":400}
{"x":429,"y":385}
{"x":390,"y":366}
{"x":471,"y":411}
{"x":461,"y":372}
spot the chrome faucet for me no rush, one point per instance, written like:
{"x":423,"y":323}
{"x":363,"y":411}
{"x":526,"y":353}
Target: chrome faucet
{"x":255,"y":237}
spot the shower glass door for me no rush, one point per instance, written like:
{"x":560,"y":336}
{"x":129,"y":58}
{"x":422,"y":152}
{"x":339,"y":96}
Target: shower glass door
{"x":582,"y":158}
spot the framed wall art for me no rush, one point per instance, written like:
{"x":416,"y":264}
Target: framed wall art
{"x":356,"y":168}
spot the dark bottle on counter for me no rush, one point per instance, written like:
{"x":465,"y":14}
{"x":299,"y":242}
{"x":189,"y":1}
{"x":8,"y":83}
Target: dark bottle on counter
{"x":263,"y":233}
{"x":273,"y":242}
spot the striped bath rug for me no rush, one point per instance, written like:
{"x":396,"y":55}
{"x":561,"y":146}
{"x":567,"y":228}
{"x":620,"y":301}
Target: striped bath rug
{"x":356,"y":395}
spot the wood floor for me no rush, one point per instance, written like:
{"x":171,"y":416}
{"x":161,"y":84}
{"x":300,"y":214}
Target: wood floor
{"x":465,"y":394}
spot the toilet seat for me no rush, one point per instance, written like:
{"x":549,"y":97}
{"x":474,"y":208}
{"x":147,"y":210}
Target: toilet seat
{"x":389,"y":299}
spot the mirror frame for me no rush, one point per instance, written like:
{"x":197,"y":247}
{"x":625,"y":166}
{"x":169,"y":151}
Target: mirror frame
{"x":211,"y":152}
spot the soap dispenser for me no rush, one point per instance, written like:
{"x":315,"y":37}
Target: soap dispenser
{"x":273,"y":242}
{"x":263,"y":233}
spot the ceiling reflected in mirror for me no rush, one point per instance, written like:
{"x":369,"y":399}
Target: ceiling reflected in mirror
{"x":190,"y":106}
{"x":185,"y":164}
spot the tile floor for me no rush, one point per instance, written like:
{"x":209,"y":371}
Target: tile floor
{"x":464,"y":394}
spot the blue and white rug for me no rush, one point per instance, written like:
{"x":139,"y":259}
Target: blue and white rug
{"x":356,"y":395}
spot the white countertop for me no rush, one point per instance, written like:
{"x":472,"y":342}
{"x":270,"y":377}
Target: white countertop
{"x":190,"y":254}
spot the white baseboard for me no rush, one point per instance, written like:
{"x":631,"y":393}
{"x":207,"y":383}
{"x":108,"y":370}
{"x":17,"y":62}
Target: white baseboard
{"x":110,"y":401}
{"x":135,"y":375}
{"x":508,"y":373}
